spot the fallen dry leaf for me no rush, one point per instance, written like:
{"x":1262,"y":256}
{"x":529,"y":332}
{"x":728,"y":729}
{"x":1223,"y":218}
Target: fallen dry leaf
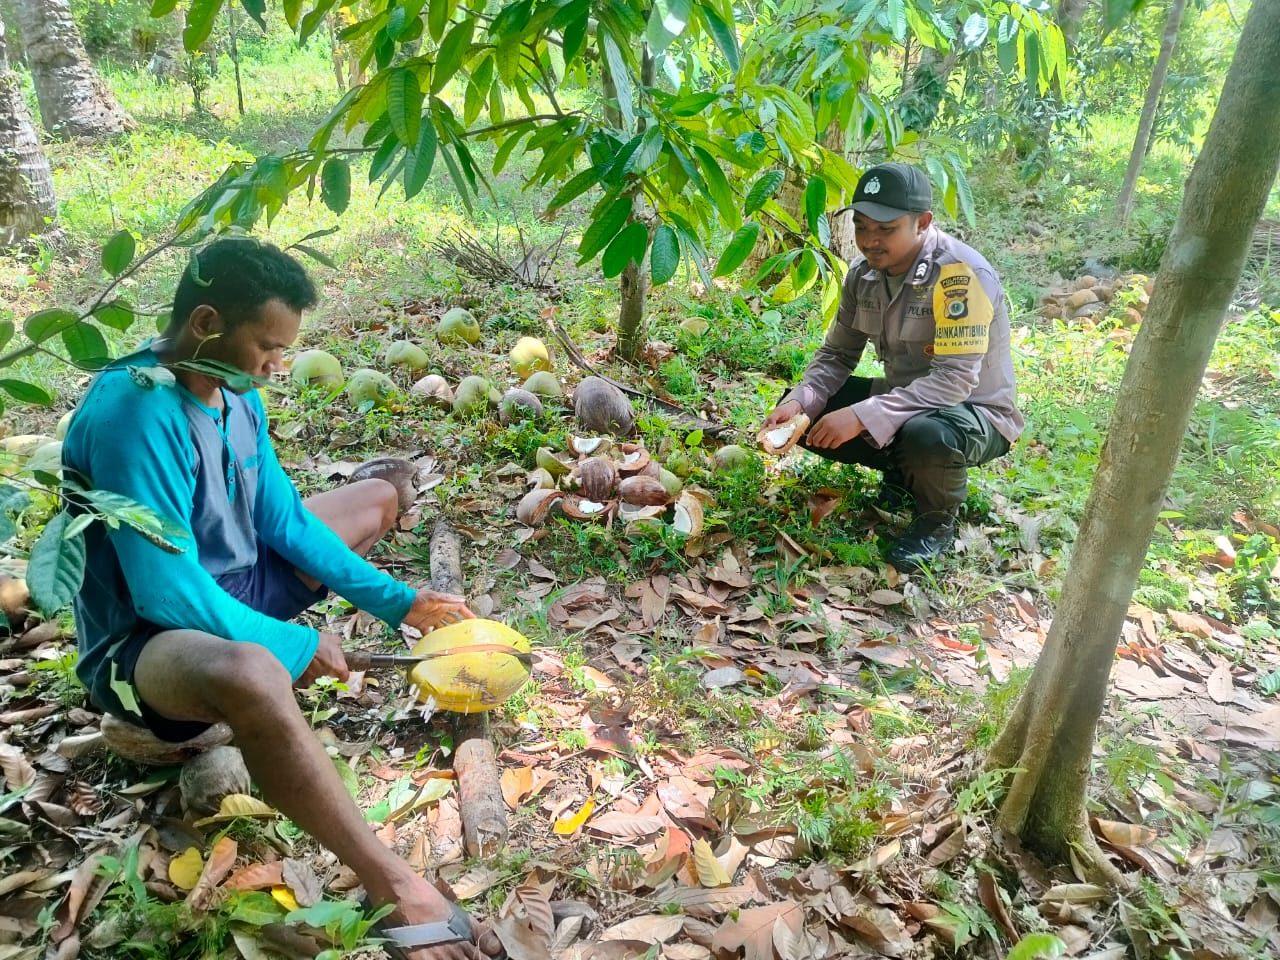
{"x":751,"y":931}
{"x":1220,"y":685}
{"x":568,"y":826}
{"x":516,"y":782}
{"x":185,"y":869}
{"x":711,"y":872}
{"x":256,"y":876}
{"x":221,"y":860}
{"x":649,"y":927}
{"x":626,"y":826}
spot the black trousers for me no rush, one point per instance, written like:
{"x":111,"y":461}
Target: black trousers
{"x":930,"y":454}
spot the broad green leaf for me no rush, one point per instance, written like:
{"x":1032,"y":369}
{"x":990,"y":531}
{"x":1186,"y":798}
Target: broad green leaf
{"x":13,"y":498}
{"x":162,"y":8}
{"x":664,"y":257}
{"x":115,"y":508}
{"x":752,"y":142}
{"x":419,"y":161}
{"x":815,"y":201}
{"x":667,"y":21}
{"x":575,"y":35}
{"x":718,"y":189}
{"x":315,"y":19}
{"x":118,"y":253}
{"x":627,"y":247}
{"x":384,"y":156}
{"x":1115,"y":12}
{"x":7,"y":330}
{"x":335,"y":184}
{"x":404,"y":105}
{"x":86,"y":346}
{"x":621,"y":77}
{"x":292,"y":13}
{"x":438,"y":14}
{"x":974,"y":33}
{"x":256,"y":9}
{"x":650,"y":149}
{"x":725,"y":35}
{"x":25,"y":392}
{"x":764,"y":188}
{"x":200,"y":19}
{"x":1037,"y":946}
{"x":45,"y":324}
{"x":453,"y":51}
{"x":56,"y":568}
{"x":739,"y":248}
{"x":575,"y":188}
{"x":117,"y":314}
{"x":604,"y":228}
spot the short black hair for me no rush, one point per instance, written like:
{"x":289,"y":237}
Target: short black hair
{"x":237,"y":276}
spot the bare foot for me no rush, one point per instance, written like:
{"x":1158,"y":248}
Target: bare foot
{"x":417,"y":901}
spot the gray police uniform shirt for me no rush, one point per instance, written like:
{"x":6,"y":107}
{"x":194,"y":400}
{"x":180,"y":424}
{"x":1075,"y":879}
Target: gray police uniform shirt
{"x":943,"y":338}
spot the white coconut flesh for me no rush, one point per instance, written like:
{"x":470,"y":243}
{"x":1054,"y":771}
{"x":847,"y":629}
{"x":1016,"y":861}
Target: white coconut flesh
{"x":586,"y":445}
{"x":589,"y":507}
{"x":780,"y":435}
{"x":632,"y":457}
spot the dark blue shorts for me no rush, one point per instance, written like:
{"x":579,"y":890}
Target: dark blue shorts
{"x":270,"y":586}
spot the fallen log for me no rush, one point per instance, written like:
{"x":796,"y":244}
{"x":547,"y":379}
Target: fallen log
{"x":475,"y":762}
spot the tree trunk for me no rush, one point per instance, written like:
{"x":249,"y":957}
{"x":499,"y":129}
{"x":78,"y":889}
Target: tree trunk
{"x":74,"y":102}
{"x":235,"y":56}
{"x":1050,"y":736}
{"x":1124,"y":204}
{"x":633,"y":287}
{"x":1070,"y":13}
{"x":26,"y":183}
{"x":920,"y":99}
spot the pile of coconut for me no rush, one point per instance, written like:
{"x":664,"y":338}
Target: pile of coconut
{"x":473,"y":395}
{"x":1088,"y":299}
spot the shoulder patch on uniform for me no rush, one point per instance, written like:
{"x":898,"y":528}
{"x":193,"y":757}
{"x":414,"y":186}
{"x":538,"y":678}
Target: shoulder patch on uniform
{"x":962,"y":311}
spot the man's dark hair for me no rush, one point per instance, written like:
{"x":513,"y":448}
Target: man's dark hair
{"x":237,"y":276}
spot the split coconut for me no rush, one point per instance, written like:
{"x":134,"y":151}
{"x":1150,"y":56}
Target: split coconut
{"x":781,"y":437}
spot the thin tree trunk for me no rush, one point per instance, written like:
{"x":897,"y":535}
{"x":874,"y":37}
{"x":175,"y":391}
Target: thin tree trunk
{"x":1070,"y":13}
{"x":633,"y":287}
{"x":1124,"y":204}
{"x":235,"y":56}
{"x":26,"y":184}
{"x":74,"y":102}
{"x":1050,"y":736}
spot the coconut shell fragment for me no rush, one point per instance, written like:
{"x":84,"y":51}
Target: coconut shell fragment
{"x":602,"y":408}
{"x":634,"y":459}
{"x":687,"y":515}
{"x":517,"y":405}
{"x":583,"y":508}
{"x":535,"y":506}
{"x":643,"y":491}
{"x":781,"y":437}
{"x":595,"y":478}
{"x":401,"y":474}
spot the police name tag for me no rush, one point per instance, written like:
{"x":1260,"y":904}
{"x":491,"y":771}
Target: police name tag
{"x":962,"y":312}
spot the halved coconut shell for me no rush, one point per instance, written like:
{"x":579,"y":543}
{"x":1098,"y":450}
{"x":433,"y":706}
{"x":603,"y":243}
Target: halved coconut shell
{"x":635,"y":512}
{"x":687,"y":518}
{"x":595,"y":478}
{"x":581,"y":508}
{"x":781,"y":438}
{"x":535,"y":506}
{"x":643,"y":491}
{"x":549,"y":462}
{"x":589,"y":446}
{"x":401,"y":474}
{"x":633,"y":459}
{"x":540,"y":479}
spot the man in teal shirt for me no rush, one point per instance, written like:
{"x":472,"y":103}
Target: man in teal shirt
{"x":177,"y":641}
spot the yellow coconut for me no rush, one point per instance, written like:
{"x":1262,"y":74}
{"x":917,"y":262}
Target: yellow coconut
{"x":466,"y":682}
{"x":528,"y":356}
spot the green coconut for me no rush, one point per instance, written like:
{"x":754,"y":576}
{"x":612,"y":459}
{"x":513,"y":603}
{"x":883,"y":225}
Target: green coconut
{"x":695,"y":326}
{"x":458,"y":323}
{"x":371,"y":386}
{"x":474,"y":396}
{"x":731,"y":457}
{"x":64,"y":423}
{"x":549,"y":462}
{"x":528,"y":356}
{"x":670,"y":482}
{"x":315,"y":366}
{"x":408,"y":354}
{"x":544,"y":384}
{"x":679,"y":462}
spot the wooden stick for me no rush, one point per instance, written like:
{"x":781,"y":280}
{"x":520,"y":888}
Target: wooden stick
{"x":475,"y":762}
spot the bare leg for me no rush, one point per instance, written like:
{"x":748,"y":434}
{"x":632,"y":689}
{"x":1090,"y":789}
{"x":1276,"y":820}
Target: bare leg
{"x":188,"y":675}
{"x":360,"y":513}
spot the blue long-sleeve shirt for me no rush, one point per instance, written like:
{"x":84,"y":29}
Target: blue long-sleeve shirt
{"x":216,"y":476}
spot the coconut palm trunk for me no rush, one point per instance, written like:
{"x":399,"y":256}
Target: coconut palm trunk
{"x":74,"y":101}
{"x":26,"y":184}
